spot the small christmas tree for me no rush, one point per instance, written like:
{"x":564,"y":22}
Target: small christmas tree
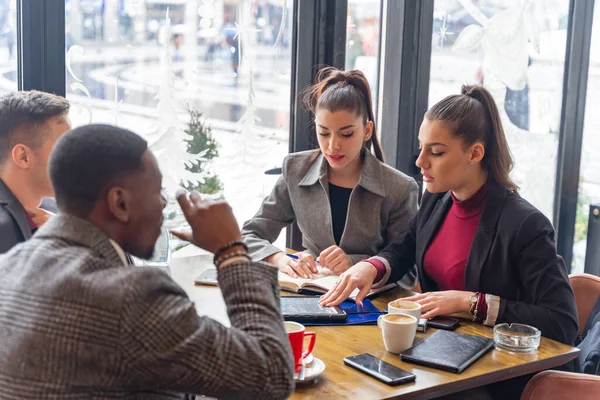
{"x":252,"y":152}
{"x":246,"y":162}
{"x":168,"y":139}
{"x":202,"y":141}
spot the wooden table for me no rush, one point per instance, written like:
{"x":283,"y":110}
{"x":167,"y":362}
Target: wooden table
{"x":336,"y":342}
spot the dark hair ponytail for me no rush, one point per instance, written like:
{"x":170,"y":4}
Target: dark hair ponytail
{"x":336,"y":90}
{"x":474,"y":117}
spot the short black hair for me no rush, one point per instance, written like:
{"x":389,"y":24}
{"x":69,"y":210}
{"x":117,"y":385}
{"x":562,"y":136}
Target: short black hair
{"x":87,"y":160}
{"x":21,"y":115}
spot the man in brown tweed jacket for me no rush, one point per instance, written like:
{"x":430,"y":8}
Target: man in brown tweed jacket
{"x":77,"y":322}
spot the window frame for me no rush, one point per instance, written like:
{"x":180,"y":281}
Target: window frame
{"x":41,"y":52}
{"x":405,"y":46}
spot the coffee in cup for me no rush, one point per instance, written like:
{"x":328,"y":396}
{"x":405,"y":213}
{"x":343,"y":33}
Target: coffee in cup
{"x":399,"y":318}
{"x":400,"y":306}
{"x":398,"y":331}
{"x":296,"y":333}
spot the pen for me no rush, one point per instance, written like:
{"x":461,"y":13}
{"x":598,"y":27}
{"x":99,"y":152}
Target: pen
{"x":295,"y":257}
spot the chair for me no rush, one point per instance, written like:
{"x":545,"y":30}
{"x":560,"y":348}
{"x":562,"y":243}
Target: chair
{"x":559,"y":385}
{"x":273,"y":171}
{"x":587,"y":289}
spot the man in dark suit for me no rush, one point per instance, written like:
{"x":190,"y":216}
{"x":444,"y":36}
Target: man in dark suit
{"x":78,"y":322}
{"x":30,"y":124}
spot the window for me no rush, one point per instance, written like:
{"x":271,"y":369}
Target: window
{"x":8,"y":45}
{"x":589,"y":181}
{"x":516,"y":50}
{"x":199,"y":76}
{"x":362,"y":40}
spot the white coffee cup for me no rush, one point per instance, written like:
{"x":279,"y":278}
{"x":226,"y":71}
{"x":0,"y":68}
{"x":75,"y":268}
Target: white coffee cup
{"x":398,"y":331}
{"x":400,"y":306}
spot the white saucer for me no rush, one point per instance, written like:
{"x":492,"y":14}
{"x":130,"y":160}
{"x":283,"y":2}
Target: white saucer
{"x":312,"y":370}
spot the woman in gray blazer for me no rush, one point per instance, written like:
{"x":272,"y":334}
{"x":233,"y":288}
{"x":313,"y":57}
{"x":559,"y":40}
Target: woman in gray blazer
{"x":348,"y":204}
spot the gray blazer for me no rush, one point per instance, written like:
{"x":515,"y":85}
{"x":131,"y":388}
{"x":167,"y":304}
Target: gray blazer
{"x":14,"y":227}
{"x":76,"y":322}
{"x":379,"y":209}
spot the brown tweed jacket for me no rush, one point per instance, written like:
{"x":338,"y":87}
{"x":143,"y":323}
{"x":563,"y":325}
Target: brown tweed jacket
{"x":75,"y":323}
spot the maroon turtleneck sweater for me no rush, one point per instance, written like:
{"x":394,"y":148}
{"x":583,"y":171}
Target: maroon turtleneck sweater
{"x":446,"y":257}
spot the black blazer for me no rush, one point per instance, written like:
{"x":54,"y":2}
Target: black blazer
{"x":513,"y":256}
{"x":14,"y":227}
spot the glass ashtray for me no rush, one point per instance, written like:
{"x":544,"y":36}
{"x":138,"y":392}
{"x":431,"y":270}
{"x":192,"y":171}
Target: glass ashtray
{"x":517,"y":337}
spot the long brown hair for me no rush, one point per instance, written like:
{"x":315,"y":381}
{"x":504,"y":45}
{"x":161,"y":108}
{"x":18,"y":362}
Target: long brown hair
{"x":474,"y":117}
{"x":336,"y":90}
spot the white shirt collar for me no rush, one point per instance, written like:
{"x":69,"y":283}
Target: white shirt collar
{"x":119,"y":251}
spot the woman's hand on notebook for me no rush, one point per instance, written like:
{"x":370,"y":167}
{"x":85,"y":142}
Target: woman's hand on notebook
{"x":303,"y":266}
{"x":360,"y":275}
{"x":335,"y":259}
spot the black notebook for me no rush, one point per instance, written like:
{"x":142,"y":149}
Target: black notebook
{"x":449,"y":351}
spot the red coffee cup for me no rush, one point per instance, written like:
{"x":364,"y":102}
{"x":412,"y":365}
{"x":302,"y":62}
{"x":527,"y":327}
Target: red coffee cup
{"x":296,"y":333}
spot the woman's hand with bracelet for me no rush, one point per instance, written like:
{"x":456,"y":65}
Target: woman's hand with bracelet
{"x":213,"y":226}
{"x":442,"y":303}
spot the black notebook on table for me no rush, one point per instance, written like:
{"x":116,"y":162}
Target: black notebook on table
{"x":449,"y":351}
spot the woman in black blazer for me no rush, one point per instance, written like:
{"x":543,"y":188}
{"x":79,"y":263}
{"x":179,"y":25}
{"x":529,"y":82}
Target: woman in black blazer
{"x":479,"y":247}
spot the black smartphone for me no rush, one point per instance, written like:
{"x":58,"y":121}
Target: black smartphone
{"x":208,"y":277}
{"x":379,"y":369}
{"x":446,"y":323}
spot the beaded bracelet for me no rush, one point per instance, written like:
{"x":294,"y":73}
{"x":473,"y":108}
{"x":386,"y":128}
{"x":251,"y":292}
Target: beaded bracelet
{"x":229,"y":245}
{"x":239,"y":253}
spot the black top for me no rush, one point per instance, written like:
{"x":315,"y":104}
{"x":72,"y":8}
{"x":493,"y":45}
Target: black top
{"x":339,"y":197}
